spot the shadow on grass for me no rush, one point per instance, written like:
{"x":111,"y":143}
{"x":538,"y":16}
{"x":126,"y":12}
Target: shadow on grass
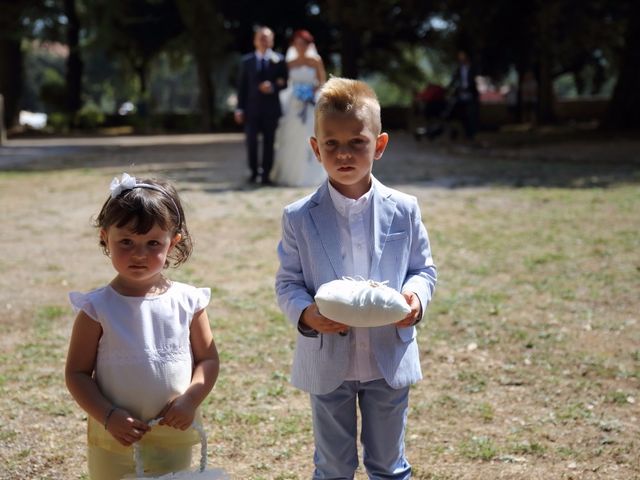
{"x":217,"y":162}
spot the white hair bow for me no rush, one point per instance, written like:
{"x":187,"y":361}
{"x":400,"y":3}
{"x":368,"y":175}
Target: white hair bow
{"x":126,"y":182}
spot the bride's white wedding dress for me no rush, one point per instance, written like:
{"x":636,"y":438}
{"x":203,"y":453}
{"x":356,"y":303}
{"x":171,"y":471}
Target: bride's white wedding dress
{"x":295,"y":165}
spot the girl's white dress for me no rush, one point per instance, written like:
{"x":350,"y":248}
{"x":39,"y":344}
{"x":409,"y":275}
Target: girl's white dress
{"x":295,"y":165}
{"x":144,"y":361}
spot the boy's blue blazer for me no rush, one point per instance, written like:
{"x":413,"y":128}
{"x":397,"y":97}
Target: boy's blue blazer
{"x":309,"y":255}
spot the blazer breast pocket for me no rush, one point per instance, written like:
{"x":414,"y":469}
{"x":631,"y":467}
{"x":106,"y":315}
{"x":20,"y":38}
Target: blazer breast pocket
{"x":396,"y":236}
{"x":395,"y":257}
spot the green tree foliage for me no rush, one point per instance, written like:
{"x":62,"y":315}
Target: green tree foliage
{"x":379,"y":36}
{"x":52,"y":20}
{"x":576,"y":37}
{"x":113,"y":43}
{"x":136,"y":31}
{"x":282,"y":16}
{"x":207,"y":42}
{"x":624,"y":109}
{"x":52,"y":91}
{"x":12,"y":30}
{"x":41,"y":67}
{"x":73,"y":93}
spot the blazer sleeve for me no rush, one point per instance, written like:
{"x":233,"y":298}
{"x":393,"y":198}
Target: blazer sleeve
{"x":243,"y":85}
{"x":283,"y":72}
{"x":291,"y":291}
{"x":421,"y":275}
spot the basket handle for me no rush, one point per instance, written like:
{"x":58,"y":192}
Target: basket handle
{"x":137,"y":454}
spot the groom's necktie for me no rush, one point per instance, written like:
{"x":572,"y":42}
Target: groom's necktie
{"x":263,"y":69}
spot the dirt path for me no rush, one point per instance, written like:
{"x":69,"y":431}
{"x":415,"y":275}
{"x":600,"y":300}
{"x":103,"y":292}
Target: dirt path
{"x":219,"y":159}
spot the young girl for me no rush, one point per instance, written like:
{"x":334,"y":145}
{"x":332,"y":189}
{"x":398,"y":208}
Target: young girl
{"x":141,"y":347}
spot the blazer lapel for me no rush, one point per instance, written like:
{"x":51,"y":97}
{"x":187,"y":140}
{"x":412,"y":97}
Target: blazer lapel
{"x":324,"y":218}
{"x":254,"y":66}
{"x":384,"y":208}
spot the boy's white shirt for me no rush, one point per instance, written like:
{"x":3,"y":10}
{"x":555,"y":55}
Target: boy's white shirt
{"x":354,"y":230}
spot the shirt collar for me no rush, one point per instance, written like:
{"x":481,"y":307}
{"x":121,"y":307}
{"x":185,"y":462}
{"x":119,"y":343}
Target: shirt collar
{"x":267,"y":54}
{"x":345,"y":205}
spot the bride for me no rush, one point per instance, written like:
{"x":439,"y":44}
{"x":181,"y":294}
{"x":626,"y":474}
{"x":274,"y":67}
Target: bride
{"x":295,"y":164}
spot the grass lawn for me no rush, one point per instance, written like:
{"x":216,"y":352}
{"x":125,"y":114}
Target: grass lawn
{"x":530,"y":350}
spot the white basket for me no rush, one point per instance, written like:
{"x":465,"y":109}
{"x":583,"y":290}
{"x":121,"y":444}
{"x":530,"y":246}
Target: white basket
{"x":202,"y":473}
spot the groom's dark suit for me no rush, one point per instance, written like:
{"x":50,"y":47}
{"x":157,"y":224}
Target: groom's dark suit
{"x":261,"y":110}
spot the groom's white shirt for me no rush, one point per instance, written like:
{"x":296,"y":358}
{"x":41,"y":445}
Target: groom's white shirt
{"x":259,"y":56}
{"x":310,"y":255}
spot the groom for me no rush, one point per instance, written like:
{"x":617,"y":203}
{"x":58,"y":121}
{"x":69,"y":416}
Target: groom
{"x":263,"y":74}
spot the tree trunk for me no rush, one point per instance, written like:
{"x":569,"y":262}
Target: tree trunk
{"x":349,"y":52}
{"x":207,"y":92}
{"x":546,"y":96}
{"x":3,"y":130}
{"x":143,"y":106}
{"x":141,"y":71}
{"x":10,"y":78}
{"x":624,"y":109}
{"x":201,"y":21}
{"x":74,"y":62}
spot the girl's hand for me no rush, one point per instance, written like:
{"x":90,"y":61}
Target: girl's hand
{"x":414,"y":315}
{"x":179,"y":413}
{"x":124,"y":428}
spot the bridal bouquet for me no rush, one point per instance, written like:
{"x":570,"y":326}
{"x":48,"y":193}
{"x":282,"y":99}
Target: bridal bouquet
{"x":304,"y":92}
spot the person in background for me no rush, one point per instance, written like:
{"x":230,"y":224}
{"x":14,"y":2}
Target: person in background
{"x":295,"y":164}
{"x":263,"y":73}
{"x":466,"y":99}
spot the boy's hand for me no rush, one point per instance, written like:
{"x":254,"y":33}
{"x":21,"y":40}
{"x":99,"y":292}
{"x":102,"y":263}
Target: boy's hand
{"x":178,"y":413}
{"x":124,"y":428}
{"x":414,"y":315}
{"x":312,"y":317}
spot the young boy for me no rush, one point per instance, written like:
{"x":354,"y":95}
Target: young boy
{"x":354,"y":226}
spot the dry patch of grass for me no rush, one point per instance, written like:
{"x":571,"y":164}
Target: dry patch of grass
{"x":531,"y":349}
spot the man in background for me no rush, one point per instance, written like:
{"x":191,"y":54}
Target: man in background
{"x":263,"y":74}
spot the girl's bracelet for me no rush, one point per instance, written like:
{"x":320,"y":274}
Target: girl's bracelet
{"x":108,"y":416}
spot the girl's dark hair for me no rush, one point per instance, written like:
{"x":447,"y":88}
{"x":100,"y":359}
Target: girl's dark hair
{"x":141,"y":208}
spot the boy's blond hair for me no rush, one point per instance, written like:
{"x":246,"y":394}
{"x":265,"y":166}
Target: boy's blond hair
{"x":347,"y":96}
